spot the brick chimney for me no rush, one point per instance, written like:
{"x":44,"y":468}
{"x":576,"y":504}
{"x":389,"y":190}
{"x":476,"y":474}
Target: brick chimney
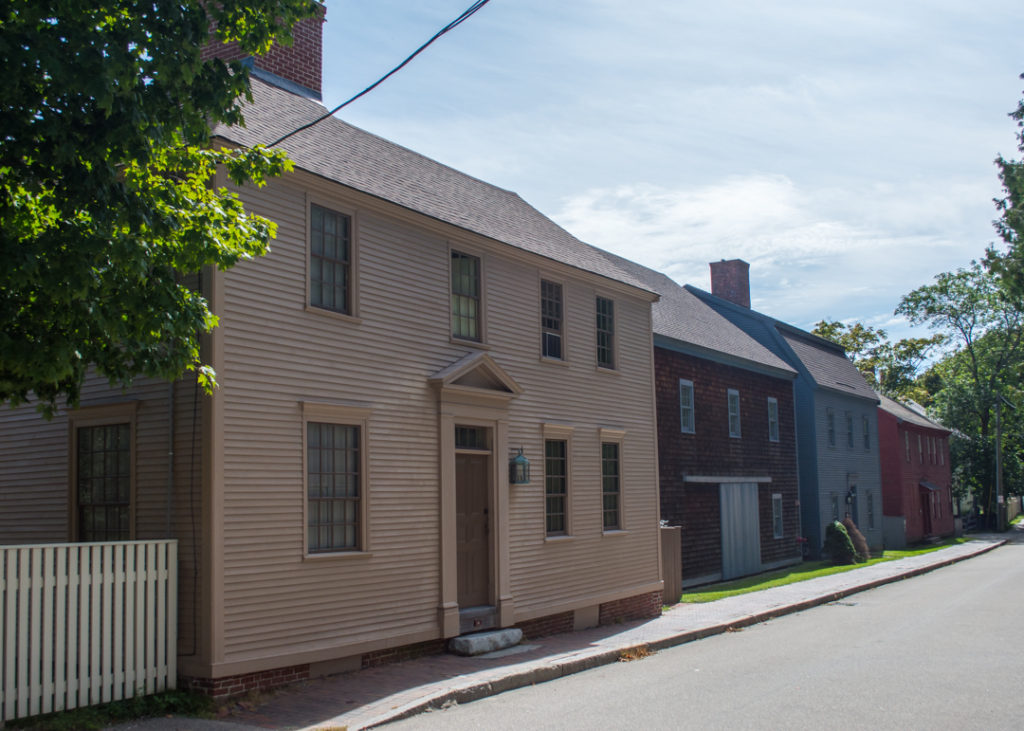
{"x":297,"y":68}
{"x":730,"y":280}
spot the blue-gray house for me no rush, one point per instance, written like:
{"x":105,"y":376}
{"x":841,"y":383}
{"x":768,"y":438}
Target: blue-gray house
{"x":836,"y":414}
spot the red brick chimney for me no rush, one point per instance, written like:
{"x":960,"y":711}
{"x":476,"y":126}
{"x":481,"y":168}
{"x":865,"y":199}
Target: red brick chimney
{"x":730,"y":280}
{"x":299,"y":64}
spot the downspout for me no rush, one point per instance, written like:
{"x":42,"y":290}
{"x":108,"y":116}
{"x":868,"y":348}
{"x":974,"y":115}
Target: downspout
{"x":170,"y":460}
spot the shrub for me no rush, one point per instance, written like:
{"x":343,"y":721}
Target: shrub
{"x":860,"y":543}
{"x":838,"y":545}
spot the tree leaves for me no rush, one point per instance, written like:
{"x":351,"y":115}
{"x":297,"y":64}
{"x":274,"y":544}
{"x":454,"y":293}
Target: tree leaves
{"x":106,"y":207}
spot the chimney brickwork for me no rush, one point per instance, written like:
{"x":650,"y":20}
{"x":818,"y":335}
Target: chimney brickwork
{"x":730,"y":280}
{"x":300,"y":63}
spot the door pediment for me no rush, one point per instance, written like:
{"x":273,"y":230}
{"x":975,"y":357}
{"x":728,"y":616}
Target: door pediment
{"x":476,"y":374}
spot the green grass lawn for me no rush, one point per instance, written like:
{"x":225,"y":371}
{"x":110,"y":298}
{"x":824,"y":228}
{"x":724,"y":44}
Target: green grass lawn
{"x":800,"y":572}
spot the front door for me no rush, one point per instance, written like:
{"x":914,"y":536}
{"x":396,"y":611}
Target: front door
{"x":472,"y":524}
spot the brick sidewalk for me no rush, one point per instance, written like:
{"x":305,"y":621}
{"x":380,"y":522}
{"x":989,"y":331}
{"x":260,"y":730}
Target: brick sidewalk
{"x":366,"y":698}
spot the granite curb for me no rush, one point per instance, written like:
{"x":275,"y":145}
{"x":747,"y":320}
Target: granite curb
{"x":477,"y":689}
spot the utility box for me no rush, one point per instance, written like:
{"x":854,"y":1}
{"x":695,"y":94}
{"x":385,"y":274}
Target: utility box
{"x":672,"y":562}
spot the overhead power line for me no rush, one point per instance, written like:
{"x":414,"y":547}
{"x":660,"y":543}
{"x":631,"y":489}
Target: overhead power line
{"x":466,"y":14}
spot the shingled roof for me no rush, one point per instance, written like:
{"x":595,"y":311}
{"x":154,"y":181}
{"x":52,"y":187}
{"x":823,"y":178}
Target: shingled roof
{"x":683,"y":317}
{"x":825,"y":362}
{"x":904,"y":413}
{"x":365,"y":162}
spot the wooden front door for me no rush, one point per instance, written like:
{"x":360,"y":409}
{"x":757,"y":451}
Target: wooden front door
{"x":472,"y":523}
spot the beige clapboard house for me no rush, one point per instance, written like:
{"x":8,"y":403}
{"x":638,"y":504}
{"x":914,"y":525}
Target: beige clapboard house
{"x":345,"y":494}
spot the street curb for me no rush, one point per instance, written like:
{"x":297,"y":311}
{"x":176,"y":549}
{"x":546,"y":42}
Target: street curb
{"x":475,"y":690}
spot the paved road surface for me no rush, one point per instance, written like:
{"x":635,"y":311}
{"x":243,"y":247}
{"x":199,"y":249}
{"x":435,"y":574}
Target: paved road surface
{"x":940,"y":651}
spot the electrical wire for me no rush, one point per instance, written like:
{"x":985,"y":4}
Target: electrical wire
{"x":466,"y":14}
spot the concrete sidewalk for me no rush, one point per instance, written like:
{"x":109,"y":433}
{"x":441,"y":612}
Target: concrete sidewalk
{"x":371,"y":697}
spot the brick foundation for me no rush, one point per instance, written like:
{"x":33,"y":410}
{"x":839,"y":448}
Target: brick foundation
{"x":641,"y":606}
{"x":552,"y":624}
{"x":235,"y":685}
{"x":405,"y":652}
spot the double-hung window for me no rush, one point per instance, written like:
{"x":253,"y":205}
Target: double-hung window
{"x":333,"y":487}
{"x":551,"y":319}
{"x":830,"y":426}
{"x":605,"y":332}
{"x":103,"y":479}
{"x":611,"y":485}
{"x":777,"y":527}
{"x":465,"y":296}
{"x":686,"y":412}
{"x":773,"y":419}
{"x":556,"y":486}
{"x":330,"y":260}
{"x":734,"y":413}
{"x":849,"y":429}
{"x":866,"y":425}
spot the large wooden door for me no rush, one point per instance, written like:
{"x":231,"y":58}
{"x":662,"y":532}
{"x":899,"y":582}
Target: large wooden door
{"x":741,"y":529}
{"x":472,"y":523}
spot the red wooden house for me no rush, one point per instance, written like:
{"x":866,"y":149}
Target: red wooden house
{"x":917,"y":498}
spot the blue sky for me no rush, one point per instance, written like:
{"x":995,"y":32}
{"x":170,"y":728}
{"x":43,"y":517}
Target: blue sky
{"x":844,"y":149}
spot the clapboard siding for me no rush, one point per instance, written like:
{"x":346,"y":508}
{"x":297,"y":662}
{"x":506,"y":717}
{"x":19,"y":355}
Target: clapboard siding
{"x":278,"y":353}
{"x":33,"y":478}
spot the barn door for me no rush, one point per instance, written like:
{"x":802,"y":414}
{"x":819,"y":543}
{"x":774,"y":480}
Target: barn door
{"x":741,"y":529}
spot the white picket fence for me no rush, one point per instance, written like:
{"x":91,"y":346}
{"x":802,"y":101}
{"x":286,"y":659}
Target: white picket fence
{"x":86,"y":623}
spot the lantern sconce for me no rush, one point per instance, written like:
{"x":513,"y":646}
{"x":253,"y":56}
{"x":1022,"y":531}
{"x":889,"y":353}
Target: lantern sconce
{"x":519,"y":469}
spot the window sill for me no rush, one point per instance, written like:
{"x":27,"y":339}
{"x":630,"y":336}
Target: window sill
{"x":559,"y":539}
{"x":554,"y":361}
{"x":609,"y":371}
{"x":340,"y":555}
{"x":468,"y":343}
{"x":336,"y":315}
{"x":614,"y":532}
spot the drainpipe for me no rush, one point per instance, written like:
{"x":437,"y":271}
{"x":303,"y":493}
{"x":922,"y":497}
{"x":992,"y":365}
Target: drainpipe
{"x":170,"y":460}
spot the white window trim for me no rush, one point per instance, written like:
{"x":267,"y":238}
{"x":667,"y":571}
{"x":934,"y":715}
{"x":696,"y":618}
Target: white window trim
{"x":615,"y":366}
{"x":777,"y":516}
{"x":772,"y":401}
{"x":738,"y":434}
{"x":691,"y":427}
{"x":342,"y":415}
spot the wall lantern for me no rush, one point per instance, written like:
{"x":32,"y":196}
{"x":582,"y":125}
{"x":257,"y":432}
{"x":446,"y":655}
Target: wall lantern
{"x":519,"y":469}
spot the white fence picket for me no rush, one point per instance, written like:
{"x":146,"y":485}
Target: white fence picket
{"x":85,"y":623}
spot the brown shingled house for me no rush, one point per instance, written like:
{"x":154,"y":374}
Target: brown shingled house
{"x":345,"y":495}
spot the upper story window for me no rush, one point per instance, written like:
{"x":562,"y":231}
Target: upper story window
{"x":866,"y":424}
{"x":906,"y":444}
{"x":605,"y":333}
{"x":330,"y":260}
{"x":773,"y":419}
{"x":734,"y":412}
{"x":466,"y":296}
{"x":551,"y":319}
{"x":830,"y":426}
{"x":849,"y":429}
{"x":686,"y":414}
{"x":920,"y":450}
{"x":942,"y":451}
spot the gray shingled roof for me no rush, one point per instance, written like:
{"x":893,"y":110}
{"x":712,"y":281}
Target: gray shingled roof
{"x":905,"y":413}
{"x":684,"y":317}
{"x":827,"y":363}
{"x":360,"y":160}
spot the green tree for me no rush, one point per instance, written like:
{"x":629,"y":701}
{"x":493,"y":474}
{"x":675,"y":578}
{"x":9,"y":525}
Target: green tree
{"x":1008,"y":264}
{"x":983,"y":324}
{"x":105,"y":197}
{"x":891,"y":368}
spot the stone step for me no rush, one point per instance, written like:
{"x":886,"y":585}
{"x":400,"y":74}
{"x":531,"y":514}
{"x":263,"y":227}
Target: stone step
{"x":484,"y":642}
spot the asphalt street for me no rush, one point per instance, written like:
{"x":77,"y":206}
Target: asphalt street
{"x":939,"y":651}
